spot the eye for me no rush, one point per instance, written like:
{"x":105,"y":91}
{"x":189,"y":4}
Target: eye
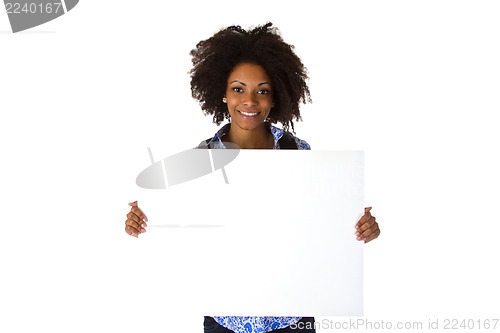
{"x":264,"y":92}
{"x":237,"y":89}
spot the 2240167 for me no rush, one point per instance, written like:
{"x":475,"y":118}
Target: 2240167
{"x":455,"y":324}
{"x":32,"y":8}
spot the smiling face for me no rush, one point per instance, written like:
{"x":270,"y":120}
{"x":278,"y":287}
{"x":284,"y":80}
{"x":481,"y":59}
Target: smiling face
{"x":249,"y":95}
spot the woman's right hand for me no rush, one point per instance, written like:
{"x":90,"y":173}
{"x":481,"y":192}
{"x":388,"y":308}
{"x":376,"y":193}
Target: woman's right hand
{"x":136,"y":221}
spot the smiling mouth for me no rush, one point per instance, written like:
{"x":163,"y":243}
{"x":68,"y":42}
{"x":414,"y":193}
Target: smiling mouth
{"x":248,"y":114}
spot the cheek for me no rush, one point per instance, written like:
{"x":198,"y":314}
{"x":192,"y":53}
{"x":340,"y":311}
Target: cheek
{"x":269,"y":103}
{"x":231,"y":105}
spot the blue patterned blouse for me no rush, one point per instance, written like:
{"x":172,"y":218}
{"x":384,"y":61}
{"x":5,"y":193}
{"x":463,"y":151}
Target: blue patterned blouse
{"x":256,"y":324}
{"x":276,"y":132}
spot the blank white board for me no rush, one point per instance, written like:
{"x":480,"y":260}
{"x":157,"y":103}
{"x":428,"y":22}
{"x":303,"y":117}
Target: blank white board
{"x":277,"y":240}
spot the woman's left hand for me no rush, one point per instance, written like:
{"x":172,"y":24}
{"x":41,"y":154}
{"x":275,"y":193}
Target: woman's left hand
{"x":367,"y":228}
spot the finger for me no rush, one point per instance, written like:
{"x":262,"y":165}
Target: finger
{"x":131,"y":231}
{"x":364,"y":218}
{"x":368,"y":232}
{"x":134,"y":204}
{"x":367,"y":224}
{"x":132,"y":216}
{"x":137,"y":211}
{"x":371,"y":237}
{"x":135,"y":224}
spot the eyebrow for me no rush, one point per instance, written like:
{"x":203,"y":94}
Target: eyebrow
{"x":243,"y":84}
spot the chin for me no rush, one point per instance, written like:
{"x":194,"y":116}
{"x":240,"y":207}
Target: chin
{"x":247,"y":125}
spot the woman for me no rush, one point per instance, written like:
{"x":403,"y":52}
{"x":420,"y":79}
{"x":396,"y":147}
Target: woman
{"x":254,"y":79}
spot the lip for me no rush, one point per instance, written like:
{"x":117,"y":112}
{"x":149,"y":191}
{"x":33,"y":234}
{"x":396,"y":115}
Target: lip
{"x":247,"y":116}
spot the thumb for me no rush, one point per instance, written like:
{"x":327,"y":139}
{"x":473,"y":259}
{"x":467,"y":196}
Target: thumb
{"x":133,"y":203}
{"x":367,"y":209}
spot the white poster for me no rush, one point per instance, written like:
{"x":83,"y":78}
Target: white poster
{"x":277,"y":240}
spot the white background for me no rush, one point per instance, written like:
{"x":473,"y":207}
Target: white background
{"x":413,"y":84}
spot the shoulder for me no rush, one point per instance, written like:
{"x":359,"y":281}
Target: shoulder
{"x":301,"y":144}
{"x":215,"y":142}
{"x":288,"y":137}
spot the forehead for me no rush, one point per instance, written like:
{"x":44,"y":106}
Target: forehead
{"x":249,"y":71}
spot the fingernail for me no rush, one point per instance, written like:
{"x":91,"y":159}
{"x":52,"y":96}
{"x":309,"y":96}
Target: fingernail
{"x":359,"y":238}
{"x":357,"y":233}
{"x":143,"y":225}
{"x":357,"y":226}
{"x":143,"y":230}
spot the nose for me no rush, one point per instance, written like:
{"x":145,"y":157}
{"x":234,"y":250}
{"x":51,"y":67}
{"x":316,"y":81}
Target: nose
{"x":249,"y":100}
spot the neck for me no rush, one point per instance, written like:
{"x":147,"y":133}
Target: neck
{"x":258,"y":138}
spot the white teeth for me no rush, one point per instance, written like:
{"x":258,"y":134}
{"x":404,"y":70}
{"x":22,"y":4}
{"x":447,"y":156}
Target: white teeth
{"x":248,"y":113}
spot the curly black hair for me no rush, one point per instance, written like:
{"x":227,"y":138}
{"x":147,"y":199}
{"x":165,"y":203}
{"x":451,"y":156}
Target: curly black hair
{"x":214,"y":59}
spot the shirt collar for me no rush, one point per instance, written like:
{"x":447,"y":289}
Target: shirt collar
{"x":217,"y":139}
